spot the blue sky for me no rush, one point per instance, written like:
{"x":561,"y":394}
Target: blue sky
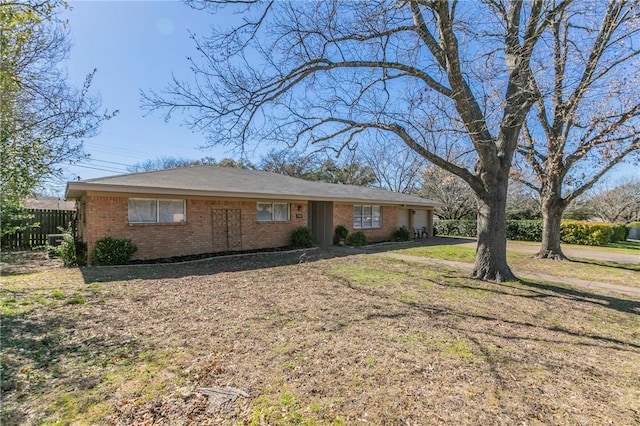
{"x":137,"y":45}
{"x":134,"y":45}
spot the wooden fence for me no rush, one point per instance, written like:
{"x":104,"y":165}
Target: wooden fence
{"x":47,"y":222}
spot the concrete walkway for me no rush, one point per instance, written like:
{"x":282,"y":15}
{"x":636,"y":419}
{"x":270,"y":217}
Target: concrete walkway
{"x":629,"y":291}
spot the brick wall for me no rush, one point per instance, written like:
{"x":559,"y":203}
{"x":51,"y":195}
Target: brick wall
{"x":343,"y":215}
{"x":107,"y":215}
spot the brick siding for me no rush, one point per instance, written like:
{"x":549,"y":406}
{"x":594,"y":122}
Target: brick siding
{"x":343,"y":215}
{"x":107,"y":215}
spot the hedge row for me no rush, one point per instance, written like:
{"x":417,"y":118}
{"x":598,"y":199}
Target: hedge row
{"x":571,"y":232}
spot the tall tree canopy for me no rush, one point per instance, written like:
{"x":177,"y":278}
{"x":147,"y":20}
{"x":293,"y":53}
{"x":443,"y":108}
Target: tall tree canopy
{"x":586,"y":116}
{"x":42,"y":117}
{"x":433,"y":75}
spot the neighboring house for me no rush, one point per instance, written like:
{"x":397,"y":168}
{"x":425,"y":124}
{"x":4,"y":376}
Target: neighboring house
{"x":49,"y":203}
{"x":207,"y":209}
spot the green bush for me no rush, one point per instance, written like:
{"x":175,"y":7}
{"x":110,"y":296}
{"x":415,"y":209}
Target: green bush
{"x":72,"y":252}
{"x":340,"y":233}
{"x":459,"y":228}
{"x":302,"y":237}
{"x":586,"y":233}
{"x":620,"y":232}
{"x":113,"y":251}
{"x":571,"y":232}
{"x":524,"y":230}
{"x":402,"y":234}
{"x":357,"y":239}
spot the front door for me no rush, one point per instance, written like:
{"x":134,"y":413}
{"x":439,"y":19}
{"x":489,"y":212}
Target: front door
{"x":403,"y":218}
{"x":227,"y":230}
{"x":321,"y":222}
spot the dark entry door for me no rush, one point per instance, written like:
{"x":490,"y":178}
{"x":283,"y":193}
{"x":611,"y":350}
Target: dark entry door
{"x":321,"y":222}
{"x":227,"y":230}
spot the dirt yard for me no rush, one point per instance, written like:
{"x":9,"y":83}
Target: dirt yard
{"x":313,"y":339}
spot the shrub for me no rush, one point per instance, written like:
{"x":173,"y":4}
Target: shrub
{"x":302,"y":237}
{"x":620,"y":232}
{"x":357,"y":239}
{"x":113,"y":251}
{"x":459,"y":228}
{"x":586,"y":233}
{"x":340,"y":233}
{"x":524,"y":230}
{"x":72,"y":252}
{"x":402,"y":234}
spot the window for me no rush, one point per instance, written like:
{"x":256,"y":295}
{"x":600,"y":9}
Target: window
{"x":366,"y":216}
{"x":273,"y":212}
{"x":146,"y":210}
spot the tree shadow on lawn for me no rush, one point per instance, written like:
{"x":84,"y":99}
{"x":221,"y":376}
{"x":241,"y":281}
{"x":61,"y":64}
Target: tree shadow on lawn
{"x":243,"y":262}
{"x":250,"y":262}
{"x":619,"y":304}
{"x":39,"y":348}
{"x":209,"y":266}
{"x":548,"y":290}
{"x":607,"y":264}
{"x":539,"y":291}
{"x":218,"y":264}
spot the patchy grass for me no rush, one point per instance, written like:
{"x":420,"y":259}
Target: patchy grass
{"x":585,"y":269}
{"x":330,"y":341}
{"x":623,"y":247}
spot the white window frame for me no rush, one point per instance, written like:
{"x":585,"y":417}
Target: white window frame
{"x":157,"y":201}
{"x":272,"y":211}
{"x":367,"y":221}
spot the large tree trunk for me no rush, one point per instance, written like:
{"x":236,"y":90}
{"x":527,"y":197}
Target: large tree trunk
{"x":491,"y":253}
{"x":552,"y":210}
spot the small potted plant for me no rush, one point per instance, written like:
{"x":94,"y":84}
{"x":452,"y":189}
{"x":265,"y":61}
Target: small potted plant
{"x":340,"y":236}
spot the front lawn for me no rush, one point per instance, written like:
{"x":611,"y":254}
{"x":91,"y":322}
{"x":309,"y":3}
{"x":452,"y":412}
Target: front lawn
{"x":314,"y":340}
{"x":584,"y":269}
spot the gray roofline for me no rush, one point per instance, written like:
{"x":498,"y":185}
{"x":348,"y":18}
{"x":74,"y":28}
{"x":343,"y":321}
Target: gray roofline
{"x":213,"y":181}
{"x":75,"y":189}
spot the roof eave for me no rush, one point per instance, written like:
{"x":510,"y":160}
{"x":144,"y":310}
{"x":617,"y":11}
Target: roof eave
{"x":75,"y":190}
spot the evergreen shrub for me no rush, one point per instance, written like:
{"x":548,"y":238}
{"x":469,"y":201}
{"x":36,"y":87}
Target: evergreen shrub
{"x":357,"y":239}
{"x":402,"y":234}
{"x":340,"y":233}
{"x":302,"y":237}
{"x":113,"y":251}
{"x":72,"y":252}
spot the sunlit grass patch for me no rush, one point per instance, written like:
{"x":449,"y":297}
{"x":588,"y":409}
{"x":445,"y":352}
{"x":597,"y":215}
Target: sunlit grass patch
{"x":287,"y":408}
{"x":368,"y":276}
{"x":459,"y":348}
{"x":447,"y":252}
{"x":584,"y":269}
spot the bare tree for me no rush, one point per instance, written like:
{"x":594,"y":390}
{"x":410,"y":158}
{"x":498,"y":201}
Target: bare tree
{"x":396,"y":167}
{"x":290,"y":163}
{"x":456,"y":195}
{"x":522,"y":202}
{"x":585,"y":120}
{"x":163,"y":163}
{"x":620,"y":203}
{"x":160,"y":163}
{"x":333,"y":71}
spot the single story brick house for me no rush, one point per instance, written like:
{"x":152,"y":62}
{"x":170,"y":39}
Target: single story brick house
{"x":208,"y":209}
